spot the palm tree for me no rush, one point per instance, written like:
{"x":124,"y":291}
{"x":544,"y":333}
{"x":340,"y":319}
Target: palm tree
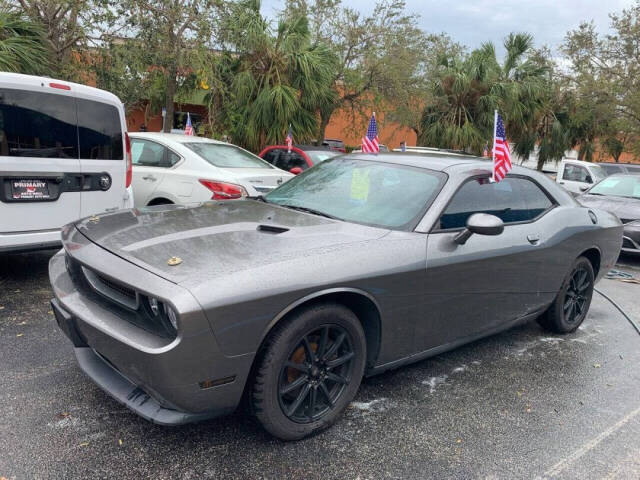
{"x":469,"y":88}
{"x":278,"y":78}
{"x":21,"y":44}
{"x":458,"y":117}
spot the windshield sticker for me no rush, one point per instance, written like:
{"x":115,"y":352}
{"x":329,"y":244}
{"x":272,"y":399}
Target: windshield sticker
{"x":360,"y":184}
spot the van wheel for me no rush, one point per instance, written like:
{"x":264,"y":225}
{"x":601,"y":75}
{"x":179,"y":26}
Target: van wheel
{"x":310,"y":370}
{"x":569,"y":309}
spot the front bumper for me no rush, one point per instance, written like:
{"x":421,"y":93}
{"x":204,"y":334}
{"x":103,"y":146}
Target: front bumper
{"x":162,"y":380}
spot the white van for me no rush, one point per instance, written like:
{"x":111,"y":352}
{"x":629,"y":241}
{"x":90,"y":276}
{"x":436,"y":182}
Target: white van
{"x":577,"y":176}
{"x":64,"y":154}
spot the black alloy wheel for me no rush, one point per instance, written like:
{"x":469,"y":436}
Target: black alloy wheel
{"x":316,"y":374}
{"x":577,"y":295}
{"x":570,"y":307}
{"x":308,"y":370}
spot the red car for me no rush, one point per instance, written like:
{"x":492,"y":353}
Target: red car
{"x":299,"y":159}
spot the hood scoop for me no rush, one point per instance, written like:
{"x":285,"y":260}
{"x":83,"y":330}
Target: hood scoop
{"x":272,"y":229}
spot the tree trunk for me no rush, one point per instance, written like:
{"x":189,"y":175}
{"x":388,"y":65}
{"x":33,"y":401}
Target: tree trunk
{"x":167,"y":124}
{"x":325,"y":118}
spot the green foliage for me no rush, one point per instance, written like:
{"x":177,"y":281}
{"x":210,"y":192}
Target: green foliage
{"x":22,"y":47}
{"x":276,"y":77}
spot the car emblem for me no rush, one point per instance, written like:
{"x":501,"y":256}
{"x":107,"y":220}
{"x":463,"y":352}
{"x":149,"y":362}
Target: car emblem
{"x":94,"y":219}
{"x":280,"y":181}
{"x":173,"y":261}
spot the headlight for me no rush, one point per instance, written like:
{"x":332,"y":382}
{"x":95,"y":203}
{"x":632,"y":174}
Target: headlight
{"x":634,"y":223}
{"x":163,"y":313}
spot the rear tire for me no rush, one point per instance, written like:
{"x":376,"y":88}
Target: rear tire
{"x":309,"y":371}
{"x":569,"y":309}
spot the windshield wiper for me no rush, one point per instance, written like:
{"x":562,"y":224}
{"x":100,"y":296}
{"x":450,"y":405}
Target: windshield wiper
{"x":259,"y":198}
{"x":309,"y":210}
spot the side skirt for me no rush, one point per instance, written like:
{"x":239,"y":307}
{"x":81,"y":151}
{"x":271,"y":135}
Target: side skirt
{"x":432,"y":352}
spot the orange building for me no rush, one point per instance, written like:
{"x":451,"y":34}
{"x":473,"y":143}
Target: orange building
{"x":345,"y":125}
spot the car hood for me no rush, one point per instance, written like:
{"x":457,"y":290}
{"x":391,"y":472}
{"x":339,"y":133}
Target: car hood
{"x":215,"y":238}
{"x":624,"y":208}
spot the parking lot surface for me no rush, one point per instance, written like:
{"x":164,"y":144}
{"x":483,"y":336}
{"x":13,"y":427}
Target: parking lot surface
{"x":522,"y":404}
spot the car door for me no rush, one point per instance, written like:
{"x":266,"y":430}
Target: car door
{"x":574,"y":177}
{"x":101,"y":125}
{"x":39,"y":166}
{"x":489,"y":281}
{"x":150,"y":162}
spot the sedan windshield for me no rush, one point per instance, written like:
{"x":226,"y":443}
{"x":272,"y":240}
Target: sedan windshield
{"x":373,"y":193}
{"x":318,"y":156}
{"x":618,"y":185}
{"x":226,"y":156}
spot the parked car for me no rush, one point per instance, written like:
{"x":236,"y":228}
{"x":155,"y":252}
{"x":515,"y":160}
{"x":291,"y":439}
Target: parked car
{"x":357,"y":266}
{"x":181,"y":169}
{"x":334,"y":144}
{"x":612,"y":168}
{"x":620,"y":195}
{"x":64,"y":154}
{"x":298,"y":159}
{"x":577,"y":176}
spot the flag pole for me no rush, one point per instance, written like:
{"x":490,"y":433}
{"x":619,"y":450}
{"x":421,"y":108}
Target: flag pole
{"x":493,"y":150}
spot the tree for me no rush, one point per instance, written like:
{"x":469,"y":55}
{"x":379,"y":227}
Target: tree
{"x":164,"y":35}
{"x":22,"y":46}
{"x":379,"y":56}
{"x":605,"y":74}
{"x":467,"y":89}
{"x":275,"y":78}
{"x":63,"y":23}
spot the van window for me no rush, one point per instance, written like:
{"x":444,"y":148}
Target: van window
{"x":99,"y":131}
{"x":34,"y":124}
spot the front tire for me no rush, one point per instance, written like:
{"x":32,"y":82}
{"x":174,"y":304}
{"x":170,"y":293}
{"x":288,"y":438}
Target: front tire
{"x":309,"y":371}
{"x":571,"y":305}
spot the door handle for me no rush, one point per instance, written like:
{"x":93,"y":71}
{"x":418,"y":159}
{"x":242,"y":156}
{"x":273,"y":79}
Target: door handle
{"x":534,"y":238}
{"x":149,"y":177}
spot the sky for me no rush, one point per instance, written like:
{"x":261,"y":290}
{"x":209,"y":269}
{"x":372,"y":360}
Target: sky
{"x":472,"y":22}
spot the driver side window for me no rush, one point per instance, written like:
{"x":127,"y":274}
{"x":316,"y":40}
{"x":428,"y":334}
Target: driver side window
{"x":512,"y":200}
{"x":149,"y":154}
{"x":576,"y":173}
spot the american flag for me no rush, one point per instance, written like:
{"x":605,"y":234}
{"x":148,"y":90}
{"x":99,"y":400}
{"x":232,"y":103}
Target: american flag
{"x":501,"y":154}
{"x":289,"y":140}
{"x":370,"y":141}
{"x":188,"y":129}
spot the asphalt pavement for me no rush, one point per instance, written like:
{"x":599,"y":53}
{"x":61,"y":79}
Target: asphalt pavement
{"x":522,"y":404}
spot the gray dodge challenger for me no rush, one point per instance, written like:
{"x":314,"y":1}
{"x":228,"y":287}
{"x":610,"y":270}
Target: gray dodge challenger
{"x":361,"y":264}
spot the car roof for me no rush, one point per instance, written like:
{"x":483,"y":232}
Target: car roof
{"x":440,"y":161}
{"x":174,"y":137}
{"x":17,"y":80}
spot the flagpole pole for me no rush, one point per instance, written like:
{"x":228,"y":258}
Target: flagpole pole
{"x":493,"y":150}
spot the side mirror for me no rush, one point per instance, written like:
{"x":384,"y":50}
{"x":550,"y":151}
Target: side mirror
{"x":589,"y":179}
{"x":584,"y":188}
{"x":296,"y":170}
{"x":481,"y":224}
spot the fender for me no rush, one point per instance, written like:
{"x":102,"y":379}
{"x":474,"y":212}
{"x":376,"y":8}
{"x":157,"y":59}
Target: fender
{"x":313,"y":296}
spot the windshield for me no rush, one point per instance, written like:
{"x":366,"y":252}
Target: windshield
{"x":374,"y":193}
{"x":318,"y":156}
{"x":226,"y":156}
{"x":619,"y":185}
{"x":598,"y":172}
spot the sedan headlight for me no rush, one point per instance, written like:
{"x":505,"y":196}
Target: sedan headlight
{"x":163,"y":313}
{"x":634,"y":223}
